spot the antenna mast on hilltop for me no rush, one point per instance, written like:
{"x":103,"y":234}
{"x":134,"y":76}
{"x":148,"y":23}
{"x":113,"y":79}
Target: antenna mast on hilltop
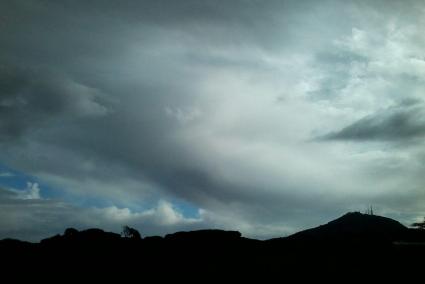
{"x":369,"y":210}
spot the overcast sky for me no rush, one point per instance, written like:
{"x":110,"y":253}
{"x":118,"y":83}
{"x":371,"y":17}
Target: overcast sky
{"x":261,"y":116}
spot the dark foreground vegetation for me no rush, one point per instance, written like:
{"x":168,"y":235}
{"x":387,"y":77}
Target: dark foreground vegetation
{"x":352,"y":246}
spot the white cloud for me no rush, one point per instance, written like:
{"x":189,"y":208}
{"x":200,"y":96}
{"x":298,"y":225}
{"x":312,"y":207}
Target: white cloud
{"x":164,"y":213}
{"x":32,"y":191}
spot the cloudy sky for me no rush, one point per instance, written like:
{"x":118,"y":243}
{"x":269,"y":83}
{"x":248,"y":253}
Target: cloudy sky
{"x":261,"y":116}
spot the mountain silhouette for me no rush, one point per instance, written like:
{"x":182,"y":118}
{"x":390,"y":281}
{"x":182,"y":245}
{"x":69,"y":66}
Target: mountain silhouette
{"x":354,"y":244}
{"x":355,"y":227}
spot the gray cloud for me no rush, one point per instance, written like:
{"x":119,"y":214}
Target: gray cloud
{"x":31,"y":98}
{"x":405,"y":122}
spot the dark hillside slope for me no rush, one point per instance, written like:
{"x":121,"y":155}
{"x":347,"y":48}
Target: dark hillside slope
{"x":355,"y":227}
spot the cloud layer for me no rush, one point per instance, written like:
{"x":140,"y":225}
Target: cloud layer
{"x":395,"y":124}
{"x":215,"y":104}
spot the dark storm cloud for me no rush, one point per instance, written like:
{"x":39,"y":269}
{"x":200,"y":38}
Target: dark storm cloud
{"x":29,"y":99}
{"x":53,"y":52}
{"x":396,"y":124}
{"x":75,"y":32}
{"x":77,"y":40}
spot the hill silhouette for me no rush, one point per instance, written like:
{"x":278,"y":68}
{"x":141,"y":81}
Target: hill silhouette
{"x":353,"y":243}
{"x":355,"y":227}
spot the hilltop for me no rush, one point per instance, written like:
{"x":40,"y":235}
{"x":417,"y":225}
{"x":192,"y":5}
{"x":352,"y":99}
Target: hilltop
{"x":355,"y":226}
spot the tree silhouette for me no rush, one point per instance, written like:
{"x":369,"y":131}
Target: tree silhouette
{"x":419,"y":225}
{"x":131,"y":233}
{"x":70,"y":232}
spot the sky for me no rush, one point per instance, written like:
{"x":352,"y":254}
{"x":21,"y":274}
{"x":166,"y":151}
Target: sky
{"x":266,"y":117}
